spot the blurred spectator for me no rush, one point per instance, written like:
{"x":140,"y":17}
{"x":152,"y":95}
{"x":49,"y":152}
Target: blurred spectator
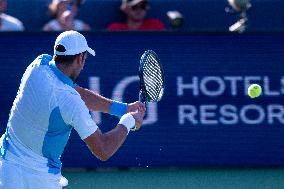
{"x":176,"y":19}
{"x":64,"y":13}
{"x":7,"y":22}
{"x":135,"y":12}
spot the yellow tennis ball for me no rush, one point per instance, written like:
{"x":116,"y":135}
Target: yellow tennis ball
{"x":254,"y":90}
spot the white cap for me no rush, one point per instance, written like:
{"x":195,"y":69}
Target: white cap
{"x":73,"y":42}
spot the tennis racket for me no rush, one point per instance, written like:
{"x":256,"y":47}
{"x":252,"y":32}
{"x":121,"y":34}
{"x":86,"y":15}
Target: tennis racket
{"x":152,"y":80}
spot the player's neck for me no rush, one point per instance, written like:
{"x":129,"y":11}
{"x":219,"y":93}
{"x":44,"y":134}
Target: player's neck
{"x":66,"y":70}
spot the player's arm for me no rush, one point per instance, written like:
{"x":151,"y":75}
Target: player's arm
{"x":103,"y":146}
{"x":96,"y":102}
{"x":75,"y":113}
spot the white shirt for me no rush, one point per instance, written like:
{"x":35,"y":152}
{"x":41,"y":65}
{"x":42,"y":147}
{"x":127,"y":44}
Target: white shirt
{"x":9,"y":23}
{"x":43,"y":114}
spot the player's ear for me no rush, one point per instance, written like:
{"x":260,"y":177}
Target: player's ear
{"x":78,"y":59}
{"x":82,"y":57}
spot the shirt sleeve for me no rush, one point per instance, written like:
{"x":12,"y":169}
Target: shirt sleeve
{"x":75,"y":113}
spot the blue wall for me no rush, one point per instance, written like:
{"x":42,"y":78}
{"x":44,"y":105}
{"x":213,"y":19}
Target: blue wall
{"x":205,"y":117}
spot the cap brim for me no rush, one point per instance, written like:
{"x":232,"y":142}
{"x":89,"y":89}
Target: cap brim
{"x":91,"y":51}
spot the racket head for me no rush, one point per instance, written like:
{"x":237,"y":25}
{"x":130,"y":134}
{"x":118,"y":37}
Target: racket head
{"x":152,"y":79}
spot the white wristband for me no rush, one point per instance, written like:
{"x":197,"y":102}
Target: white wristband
{"x":128,"y":121}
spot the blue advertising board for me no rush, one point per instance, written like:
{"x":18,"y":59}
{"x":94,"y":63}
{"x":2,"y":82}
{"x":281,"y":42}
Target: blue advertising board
{"x":205,"y":117}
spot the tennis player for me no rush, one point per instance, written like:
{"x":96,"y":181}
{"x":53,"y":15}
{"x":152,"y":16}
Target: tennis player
{"x":47,"y":106}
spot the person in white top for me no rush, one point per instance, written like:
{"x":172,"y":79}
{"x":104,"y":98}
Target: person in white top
{"x":47,"y":107}
{"x":64,"y":13}
{"x":7,"y":22}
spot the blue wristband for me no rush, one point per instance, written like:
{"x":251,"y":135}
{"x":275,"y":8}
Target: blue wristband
{"x":118,"y":108}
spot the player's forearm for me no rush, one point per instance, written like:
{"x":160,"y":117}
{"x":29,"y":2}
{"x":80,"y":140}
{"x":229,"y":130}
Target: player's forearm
{"x":94,"y":101}
{"x":103,"y":146}
{"x":113,"y":140}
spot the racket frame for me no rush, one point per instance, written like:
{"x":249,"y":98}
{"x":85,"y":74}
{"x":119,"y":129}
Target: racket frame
{"x":143,"y":95}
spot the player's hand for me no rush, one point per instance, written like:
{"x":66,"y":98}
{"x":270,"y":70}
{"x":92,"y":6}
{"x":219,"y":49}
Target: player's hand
{"x":133,"y":107}
{"x":138,"y":116}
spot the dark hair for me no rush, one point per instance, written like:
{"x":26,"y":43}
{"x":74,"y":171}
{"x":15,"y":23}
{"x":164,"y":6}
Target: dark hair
{"x":64,"y":59}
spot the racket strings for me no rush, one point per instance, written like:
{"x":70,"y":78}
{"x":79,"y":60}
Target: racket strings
{"x":153,"y":77}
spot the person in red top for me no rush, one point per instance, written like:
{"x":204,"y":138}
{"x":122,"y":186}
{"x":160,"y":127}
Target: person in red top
{"x":135,"y":11}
